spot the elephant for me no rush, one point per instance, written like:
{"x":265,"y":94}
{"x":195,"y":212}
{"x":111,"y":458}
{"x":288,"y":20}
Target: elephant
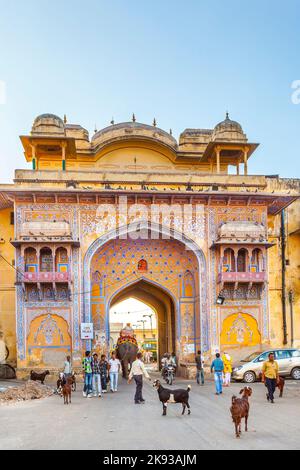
{"x":126,"y":352}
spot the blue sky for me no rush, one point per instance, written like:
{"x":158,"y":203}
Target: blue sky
{"x":184,"y":62}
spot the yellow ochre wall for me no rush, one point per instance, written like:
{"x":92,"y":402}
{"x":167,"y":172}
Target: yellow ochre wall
{"x":292,"y":227}
{"x":7,"y":287}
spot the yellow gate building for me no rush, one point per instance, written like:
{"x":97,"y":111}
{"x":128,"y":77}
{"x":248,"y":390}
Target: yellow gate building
{"x":132,"y":212}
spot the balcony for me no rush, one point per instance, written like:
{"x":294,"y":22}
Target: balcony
{"x":46,"y":277}
{"x":257,"y":277}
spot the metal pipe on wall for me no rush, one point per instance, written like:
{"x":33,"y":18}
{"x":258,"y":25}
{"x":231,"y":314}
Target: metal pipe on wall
{"x":283,"y":280}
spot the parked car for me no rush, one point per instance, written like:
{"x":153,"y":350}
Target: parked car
{"x":249,"y":369}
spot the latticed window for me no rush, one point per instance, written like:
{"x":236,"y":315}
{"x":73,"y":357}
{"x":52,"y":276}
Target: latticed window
{"x":241,"y":261}
{"x":46,"y":260}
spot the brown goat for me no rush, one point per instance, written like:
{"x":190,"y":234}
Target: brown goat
{"x":280,"y":384}
{"x":240,"y":409}
{"x":73,"y":383}
{"x":67,"y":391}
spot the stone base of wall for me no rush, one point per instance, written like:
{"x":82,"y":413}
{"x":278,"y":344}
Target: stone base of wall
{"x":187,"y":370}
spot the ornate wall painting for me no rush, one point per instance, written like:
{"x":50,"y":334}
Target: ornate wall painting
{"x":240,"y":330}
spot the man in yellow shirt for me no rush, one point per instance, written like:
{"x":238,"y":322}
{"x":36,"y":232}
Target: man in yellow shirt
{"x":270,"y":376}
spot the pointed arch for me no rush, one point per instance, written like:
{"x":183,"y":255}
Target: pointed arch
{"x":166,"y":232}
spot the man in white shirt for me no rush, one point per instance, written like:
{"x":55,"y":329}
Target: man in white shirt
{"x":67,"y":367}
{"x":137,"y":372}
{"x":114,"y":368}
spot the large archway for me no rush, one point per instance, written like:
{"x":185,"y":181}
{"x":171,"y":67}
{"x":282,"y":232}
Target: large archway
{"x":162,"y":303}
{"x":159,"y":269}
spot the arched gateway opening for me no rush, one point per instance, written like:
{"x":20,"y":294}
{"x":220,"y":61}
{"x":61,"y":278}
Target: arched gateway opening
{"x":167,"y":274}
{"x":162,"y":306}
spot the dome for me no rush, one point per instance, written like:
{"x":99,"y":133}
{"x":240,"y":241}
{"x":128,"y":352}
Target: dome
{"x":48,"y":124}
{"x":133,"y":130}
{"x":228,"y":130}
{"x":229,"y":124}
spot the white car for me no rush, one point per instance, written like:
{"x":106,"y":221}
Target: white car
{"x":249,"y":369}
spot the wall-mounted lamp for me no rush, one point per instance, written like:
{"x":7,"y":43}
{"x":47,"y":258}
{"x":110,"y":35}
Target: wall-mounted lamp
{"x":220,"y":300}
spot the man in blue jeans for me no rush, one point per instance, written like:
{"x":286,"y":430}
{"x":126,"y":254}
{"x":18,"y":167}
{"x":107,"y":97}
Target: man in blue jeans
{"x":217,"y":367}
{"x":88,"y":377}
{"x":199,"y":359}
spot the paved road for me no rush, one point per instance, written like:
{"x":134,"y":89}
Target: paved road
{"x":114,"y":422}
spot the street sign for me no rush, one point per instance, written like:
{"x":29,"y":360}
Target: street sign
{"x":87,"y":330}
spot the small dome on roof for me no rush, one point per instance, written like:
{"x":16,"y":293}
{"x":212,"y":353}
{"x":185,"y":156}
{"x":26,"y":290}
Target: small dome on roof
{"x":228,"y":130}
{"x":48,"y":124}
{"x":228,"y":124}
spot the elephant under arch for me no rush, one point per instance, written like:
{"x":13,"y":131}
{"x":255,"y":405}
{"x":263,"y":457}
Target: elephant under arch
{"x":127,"y":349}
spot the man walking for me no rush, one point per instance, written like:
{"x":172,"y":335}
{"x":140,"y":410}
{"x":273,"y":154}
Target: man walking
{"x":103,"y":373}
{"x":87,"y":370}
{"x":67,"y":367}
{"x":96,"y":378}
{"x":217,"y":367}
{"x":114,"y":369}
{"x":270,"y":376}
{"x":199,"y":359}
{"x":227,"y":361}
{"x":137,"y":372}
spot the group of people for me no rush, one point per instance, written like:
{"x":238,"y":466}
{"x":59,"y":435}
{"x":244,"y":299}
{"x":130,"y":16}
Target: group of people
{"x":148,"y":357}
{"x":221,"y":367}
{"x":98,"y":372}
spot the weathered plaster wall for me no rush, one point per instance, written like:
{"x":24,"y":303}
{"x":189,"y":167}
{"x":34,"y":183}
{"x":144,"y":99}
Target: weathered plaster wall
{"x":7,"y":287}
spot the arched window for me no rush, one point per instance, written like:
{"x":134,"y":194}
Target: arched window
{"x":228,"y":261}
{"x":242,"y":260}
{"x":257,"y":260}
{"x":30,"y":258}
{"x":61,"y":260}
{"x":97,"y":284}
{"x":188,"y":285}
{"x":46,"y":260}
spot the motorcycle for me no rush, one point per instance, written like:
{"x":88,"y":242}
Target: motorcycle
{"x":169,"y":374}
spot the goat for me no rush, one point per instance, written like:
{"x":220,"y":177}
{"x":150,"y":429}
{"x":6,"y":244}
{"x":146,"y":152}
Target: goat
{"x":240,"y":409}
{"x":36,"y":376}
{"x":279,"y":385}
{"x":60,"y":383}
{"x":62,"y":380}
{"x":167,"y":395}
{"x":67,"y":391}
{"x":73,"y":378}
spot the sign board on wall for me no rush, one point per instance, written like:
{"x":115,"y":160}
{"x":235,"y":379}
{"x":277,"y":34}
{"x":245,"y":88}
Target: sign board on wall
{"x":189,"y":348}
{"x":87,"y":331}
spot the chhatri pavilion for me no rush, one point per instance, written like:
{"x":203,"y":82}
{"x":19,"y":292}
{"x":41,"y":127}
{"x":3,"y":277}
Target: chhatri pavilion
{"x":181,"y":225}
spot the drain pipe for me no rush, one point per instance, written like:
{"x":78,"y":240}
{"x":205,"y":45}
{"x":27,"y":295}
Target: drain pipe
{"x":283,"y":281}
{"x":291,"y":300}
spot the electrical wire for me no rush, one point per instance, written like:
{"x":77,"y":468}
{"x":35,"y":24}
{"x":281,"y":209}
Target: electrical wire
{"x":12,"y":266}
{"x":90,"y":291}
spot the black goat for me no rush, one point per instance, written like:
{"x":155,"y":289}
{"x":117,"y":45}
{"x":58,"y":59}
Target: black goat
{"x":39,"y":376}
{"x":167,"y":395}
